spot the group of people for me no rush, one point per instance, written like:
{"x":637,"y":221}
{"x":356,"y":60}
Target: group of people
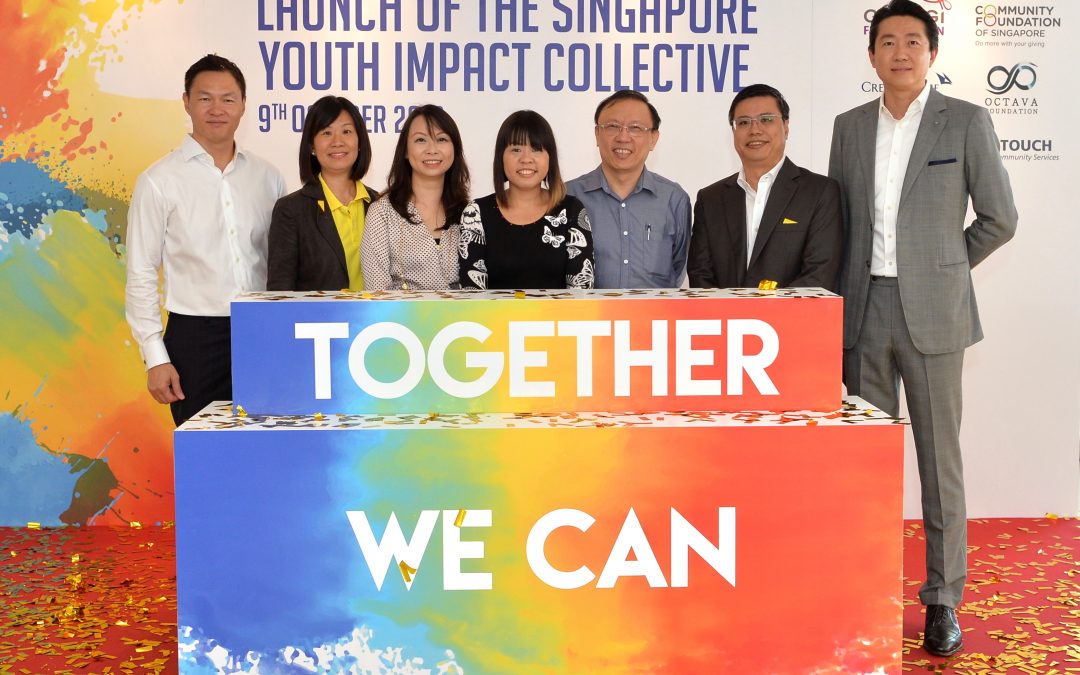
{"x":425,"y":233}
{"x":886,"y":229}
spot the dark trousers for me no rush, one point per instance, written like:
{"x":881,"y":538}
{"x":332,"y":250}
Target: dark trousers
{"x":200,"y":348}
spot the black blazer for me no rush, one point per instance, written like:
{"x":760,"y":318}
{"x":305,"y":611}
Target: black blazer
{"x":305,"y":252}
{"x":799,"y":242}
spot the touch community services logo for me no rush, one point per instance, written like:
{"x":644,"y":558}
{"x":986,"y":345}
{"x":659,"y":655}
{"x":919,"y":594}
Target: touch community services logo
{"x":1028,"y":150}
{"x":1021,"y":76}
{"x":1011,"y":88}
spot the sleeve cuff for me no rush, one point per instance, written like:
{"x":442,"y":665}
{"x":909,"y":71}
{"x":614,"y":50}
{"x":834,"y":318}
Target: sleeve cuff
{"x":154,"y":353}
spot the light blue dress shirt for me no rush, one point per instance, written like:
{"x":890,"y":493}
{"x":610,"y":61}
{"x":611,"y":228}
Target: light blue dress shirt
{"x":641,"y":241}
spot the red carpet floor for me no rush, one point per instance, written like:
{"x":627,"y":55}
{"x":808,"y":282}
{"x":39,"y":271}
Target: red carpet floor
{"x":103,"y":600}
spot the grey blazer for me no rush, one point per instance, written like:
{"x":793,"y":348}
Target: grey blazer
{"x":956,"y":155}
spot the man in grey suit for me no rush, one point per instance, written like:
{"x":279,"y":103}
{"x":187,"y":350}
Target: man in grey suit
{"x":907,"y":164}
{"x":772,"y":220}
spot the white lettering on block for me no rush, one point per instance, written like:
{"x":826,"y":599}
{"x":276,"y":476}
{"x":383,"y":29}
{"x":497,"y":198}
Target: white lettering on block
{"x":321,"y":334}
{"x":720,"y":557}
{"x":386,"y":330}
{"x":454,"y":550}
{"x":378,"y":555}
{"x":686,"y":357}
{"x":655,"y":357}
{"x":752,"y":365}
{"x":631,"y":539}
{"x":584,"y":331}
{"x":520,"y":359}
{"x":491,"y":362}
{"x":534,"y":548}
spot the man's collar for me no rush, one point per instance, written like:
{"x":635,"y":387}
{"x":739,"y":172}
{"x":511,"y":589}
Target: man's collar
{"x":918,"y":105}
{"x":771,"y":174}
{"x":597,"y":180}
{"x":191,"y":148}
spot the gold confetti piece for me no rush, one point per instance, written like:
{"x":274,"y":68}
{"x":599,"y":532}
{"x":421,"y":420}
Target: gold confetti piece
{"x":135,"y":525}
{"x":121,"y":622}
{"x":520,"y":295}
{"x":141,"y":650}
{"x":76,"y":558}
{"x":366,"y":296}
{"x":766,"y":285}
{"x":1052,"y":516}
{"x":33,"y":526}
{"x":407,"y":572}
{"x":460,"y":518}
{"x":240,"y":412}
{"x":318,"y":417}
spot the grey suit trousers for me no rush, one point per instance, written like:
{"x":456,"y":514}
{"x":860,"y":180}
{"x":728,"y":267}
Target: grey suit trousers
{"x":873,"y":368}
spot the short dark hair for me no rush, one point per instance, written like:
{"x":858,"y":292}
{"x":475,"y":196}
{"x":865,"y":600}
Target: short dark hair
{"x":527,"y":127}
{"x":904,"y":8}
{"x":754,"y":91}
{"x":633,"y":95}
{"x":320,"y":115}
{"x":215,"y":63}
{"x":455,"y":194}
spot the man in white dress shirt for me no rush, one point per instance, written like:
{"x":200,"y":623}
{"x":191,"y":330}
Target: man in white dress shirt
{"x":200,"y":215}
{"x":908,"y":163}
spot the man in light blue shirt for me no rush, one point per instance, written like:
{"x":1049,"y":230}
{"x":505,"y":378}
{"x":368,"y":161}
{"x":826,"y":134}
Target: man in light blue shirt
{"x":640,"y":221}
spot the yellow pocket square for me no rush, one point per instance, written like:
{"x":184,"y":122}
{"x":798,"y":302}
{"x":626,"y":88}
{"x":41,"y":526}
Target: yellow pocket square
{"x":322,"y":206}
{"x":789,"y":221}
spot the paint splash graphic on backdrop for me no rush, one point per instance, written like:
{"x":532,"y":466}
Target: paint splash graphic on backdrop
{"x":81,"y":440}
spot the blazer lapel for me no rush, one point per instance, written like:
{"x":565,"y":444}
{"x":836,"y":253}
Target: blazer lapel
{"x":779,"y":196}
{"x":933,"y":123}
{"x":866,"y":140}
{"x":735,"y":217}
{"x":324,"y":223}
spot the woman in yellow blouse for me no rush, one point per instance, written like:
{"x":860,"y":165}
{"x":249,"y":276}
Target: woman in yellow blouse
{"x":315,"y":232}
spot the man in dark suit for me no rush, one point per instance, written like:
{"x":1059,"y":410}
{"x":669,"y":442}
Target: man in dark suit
{"x":772,"y":220}
{"x":907,"y":164}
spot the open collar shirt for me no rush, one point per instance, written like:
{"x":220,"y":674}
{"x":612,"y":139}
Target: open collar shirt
{"x":205,"y":229}
{"x":895,"y":139}
{"x":755,"y":203}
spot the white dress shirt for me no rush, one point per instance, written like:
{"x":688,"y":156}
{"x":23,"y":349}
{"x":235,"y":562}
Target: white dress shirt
{"x":895,"y":138}
{"x":205,"y":228}
{"x":755,"y":203}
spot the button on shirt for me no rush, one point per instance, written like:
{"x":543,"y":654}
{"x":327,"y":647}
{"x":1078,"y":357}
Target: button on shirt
{"x":205,"y":228}
{"x":895,"y":138}
{"x":640,"y":241}
{"x":349,"y":221}
{"x":755,"y":204}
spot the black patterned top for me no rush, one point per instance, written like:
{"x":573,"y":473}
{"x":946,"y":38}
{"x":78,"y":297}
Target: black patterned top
{"x":554,"y":252}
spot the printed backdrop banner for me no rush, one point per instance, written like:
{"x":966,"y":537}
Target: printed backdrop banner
{"x":90,"y":96}
{"x":681,"y":543}
{"x":406,"y":352}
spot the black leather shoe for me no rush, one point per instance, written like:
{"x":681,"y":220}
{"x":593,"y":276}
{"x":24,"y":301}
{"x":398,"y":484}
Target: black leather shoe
{"x":942,"y":636}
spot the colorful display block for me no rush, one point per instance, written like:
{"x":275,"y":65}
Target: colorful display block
{"x":566,"y":543}
{"x":501,"y":351}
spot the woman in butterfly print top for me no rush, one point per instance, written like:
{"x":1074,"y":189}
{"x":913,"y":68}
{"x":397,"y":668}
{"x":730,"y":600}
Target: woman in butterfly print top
{"x":530,"y":233}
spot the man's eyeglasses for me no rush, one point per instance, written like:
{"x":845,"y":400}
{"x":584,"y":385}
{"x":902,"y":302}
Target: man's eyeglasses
{"x":766,"y":120}
{"x":613,"y":129}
